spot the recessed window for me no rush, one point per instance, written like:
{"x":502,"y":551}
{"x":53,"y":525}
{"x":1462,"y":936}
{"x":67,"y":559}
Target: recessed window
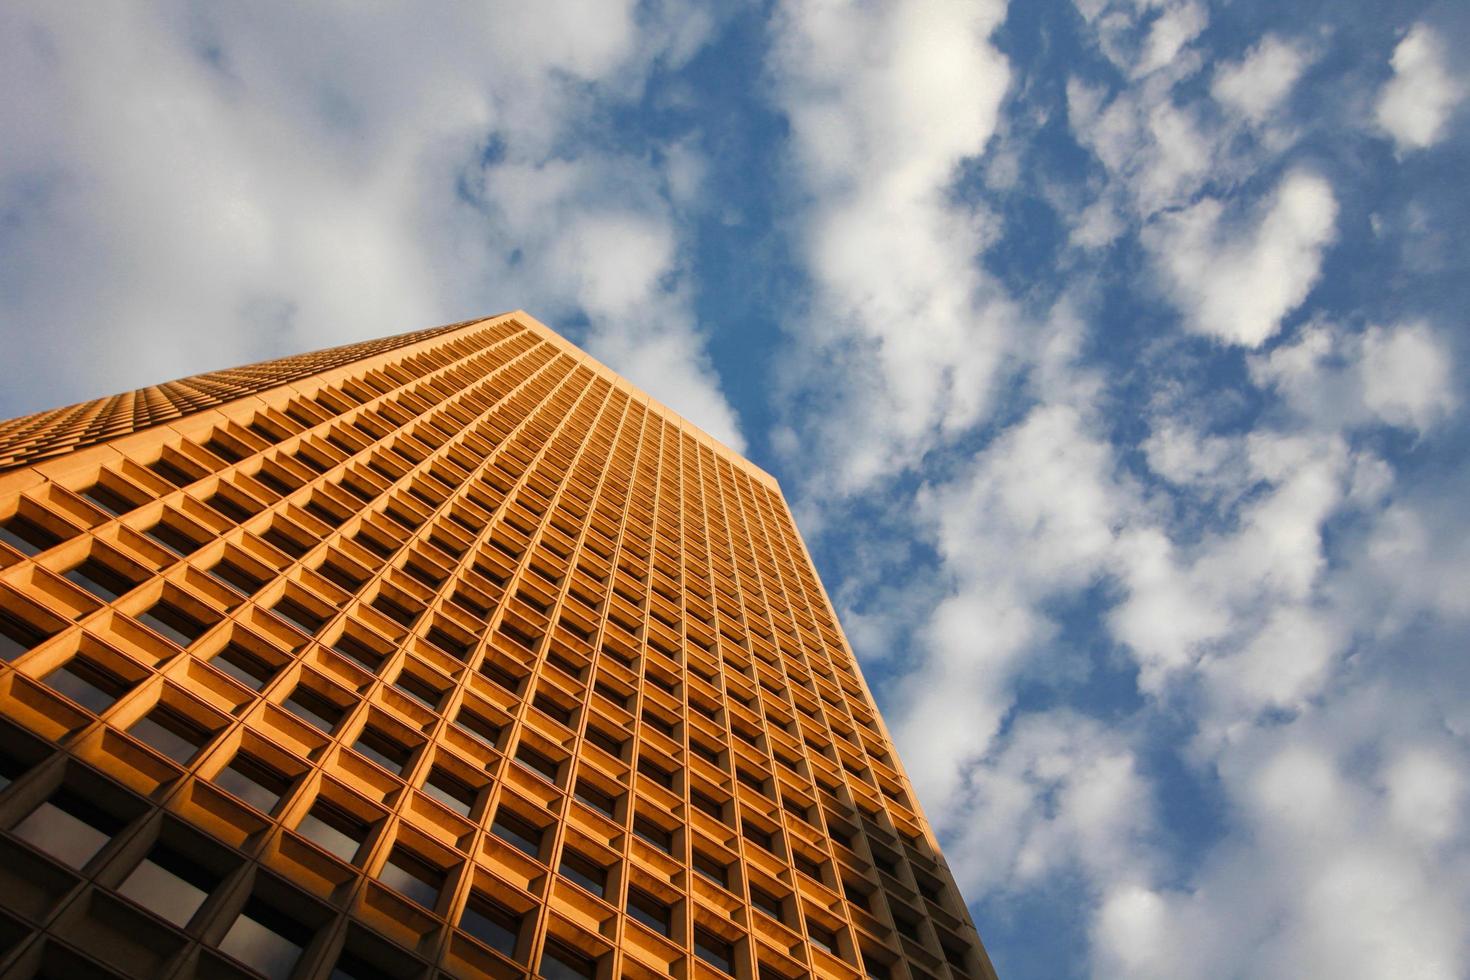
{"x":450,"y":790}
{"x":413,"y":876}
{"x":244,"y":666}
{"x":69,"y":827}
{"x":561,"y":962}
{"x":333,"y":829}
{"x":104,"y":579}
{"x":518,"y":832}
{"x":26,"y":536}
{"x":314,"y":707}
{"x":649,"y":911}
{"x":553,"y":708}
{"x":383,"y":749}
{"x":355,"y":648}
{"x":478,"y":725}
{"x":537,"y":761}
{"x":583,"y":871}
{"x":756,"y":835}
{"x":821,"y":937}
{"x":246,"y":582}
{"x":707,"y":804}
{"x":300,"y":615}
{"x":253,"y":780}
{"x":18,"y":636}
{"x":173,"y":623}
{"x":88,"y":683}
{"x":171,"y":732}
{"x":267,"y":940}
{"x":174,"y":538}
{"x":108,"y":498}
{"x":491,"y":923}
{"x":766,"y":902}
{"x":170,"y":884}
{"x":655,"y":772}
{"x":598,"y":800}
{"x":604,"y":741}
{"x":419,"y":689}
{"x":714,"y":950}
{"x":712,"y":869}
{"x":651,"y":833}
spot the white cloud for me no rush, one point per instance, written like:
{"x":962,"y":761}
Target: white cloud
{"x":884,"y":102}
{"x":1407,"y":376}
{"x":202,"y":188}
{"x":1236,"y":285}
{"x":1257,"y":84}
{"x":1417,"y":101}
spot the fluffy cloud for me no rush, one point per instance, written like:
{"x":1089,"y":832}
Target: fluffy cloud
{"x":1417,"y":101}
{"x":1261,"y":81}
{"x":213,"y":187}
{"x":1236,"y":284}
{"x":884,"y":102}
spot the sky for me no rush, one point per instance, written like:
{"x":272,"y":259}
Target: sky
{"x":1111,"y":353}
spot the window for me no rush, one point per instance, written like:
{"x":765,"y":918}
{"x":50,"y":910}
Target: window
{"x":383,"y":749}
{"x":452,"y":791}
{"x":26,"y":536}
{"x":173,"y":537}
{"x":105,"y":579}
{"x":69,"y":827}
{"x":711,"y":868}
{"x":714,"y":950}
{"x":314,"y":707}
{"x":267,"y":940}
{"x":172,"y":623}
{"x":519,"y":832}
{"x":18,"y":636}
{"x":821,"y":937}
{"x":656,"y":773}
{"x":604,"y":741}
{"x":419,"y":689}
{"x":358,"y":649}
{"x":649,"y":911}
{"x":598,"y":800}
{"x":478,"y":725}
{"x":651,"y":833}
{"x":244,"y":666}
{"x":758,"y":836}
{"x":413,"y":876}
{"x":766,"y":902}
{"x":561,"y":962}
{"x":491,"y":923}
{"x":584,"y":872}
{"x":552,"y":708}
{"x":298,"y":614}
{"x":169,"y":884}
{"x":88,"y":683}
{"x":537,"y":761}
{"x":333,"y":829}
{"x":243,"y":581}
{"x":253,"y":780}
{"x":171,"y":732}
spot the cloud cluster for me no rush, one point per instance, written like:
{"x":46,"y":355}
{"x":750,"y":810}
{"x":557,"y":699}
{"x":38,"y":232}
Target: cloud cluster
{"x":213,"y":186}
{"x":1415,"y":105}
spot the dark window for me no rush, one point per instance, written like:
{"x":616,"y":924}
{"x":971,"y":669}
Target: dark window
{"x":267,"y":940}
{"x":108,"y":499}
{"x":713,"y":950}
{"x":584,"y":872}
{"x":755,"y":835}
{"x":602,"y":802}
{"x":712,"y":869}
{"x":173,"y":623}
{"x":537,"y":761}
{"x":171,"y":733}
{"x":649,"y":911}
{"x":821,"y":937}
{"x":101,"y":579}
{"x":334,"y":829}
{"x":69,"y":827}
{"x":237,"y":578}
{"x":244,"y":666}
{"x":652,"y":833}
{"x":552,"y":708}
{"x":299,"y":615}
{"x":413,"y":877}
{"x":766,"y":902}
{"x":656,"y":773}
{"x":491,"y":923}
{"x":384,"y":750}
{"x":88,"y":683}
{"x":450,"y":790}
{"x":334,"y":572}
{"x":561,"y":962}
{"x":478,"y":725}
{"x":501,"y":676}
{"x":355,"y":649}
{"x":174,"y":538}
{"x":26,"y":536}
{"x":518,"y":832}
{"x":419,"y":689}
{"x":169,"y":884}
{"x":254,"y":781}
{"x":457,"y":648}
{"x":315,"y":708}
{"x":604,"y":741}
{"x":706,"y":753}
{"x":18,"y":636}
{"x":706,"y":804}
{"x":807,"y":866}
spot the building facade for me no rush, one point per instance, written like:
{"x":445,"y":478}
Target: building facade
{"x":450,"y":654}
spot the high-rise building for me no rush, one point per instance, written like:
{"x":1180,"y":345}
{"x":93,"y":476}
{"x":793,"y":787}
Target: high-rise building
{"x":450,"y":654}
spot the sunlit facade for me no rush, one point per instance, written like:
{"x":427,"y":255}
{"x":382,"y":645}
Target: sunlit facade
{"x":450,"y":654}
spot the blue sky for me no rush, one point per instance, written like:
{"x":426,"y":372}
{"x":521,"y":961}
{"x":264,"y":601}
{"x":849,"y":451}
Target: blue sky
{"x":1112,"y":355}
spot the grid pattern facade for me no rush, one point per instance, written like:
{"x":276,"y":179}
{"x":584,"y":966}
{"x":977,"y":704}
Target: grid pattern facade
{"x":457,"y":657}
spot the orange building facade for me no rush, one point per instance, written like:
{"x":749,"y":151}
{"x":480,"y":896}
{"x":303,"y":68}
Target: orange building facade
{"x":451,"y":654}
